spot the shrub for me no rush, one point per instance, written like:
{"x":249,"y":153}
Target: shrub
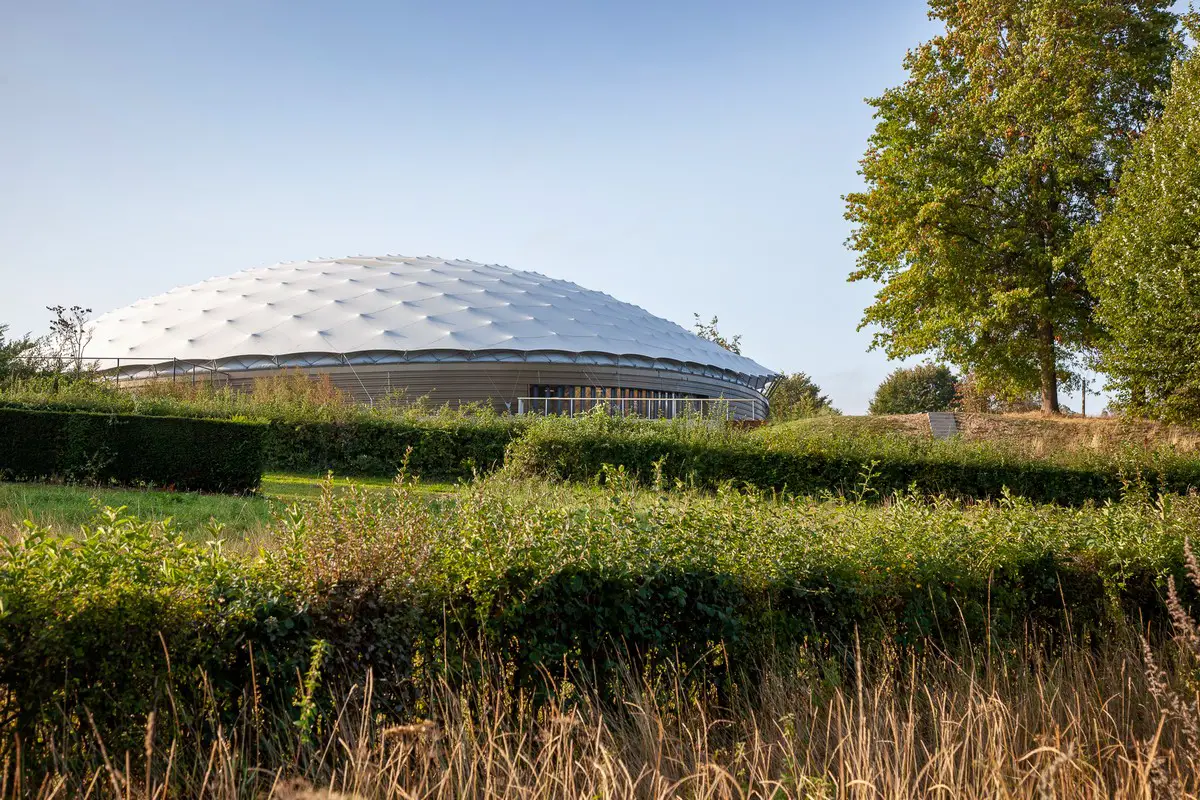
{"x":915,"y":390}
{"x":191,"y":454}
{"x":797,"y":396}
{"x":310,"y":426}
{"x":550,"y":580}
{"x":979,"y":394}
{"x":442,"y":449}
{"x":776,"y":458}
{"x":125,"y":617}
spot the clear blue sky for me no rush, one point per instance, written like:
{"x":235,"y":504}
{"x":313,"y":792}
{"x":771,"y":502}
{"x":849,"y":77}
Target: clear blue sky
{"x":686,"y":157}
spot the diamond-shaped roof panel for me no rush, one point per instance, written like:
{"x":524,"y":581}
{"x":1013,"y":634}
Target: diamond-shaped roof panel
{"x":361,"y":304}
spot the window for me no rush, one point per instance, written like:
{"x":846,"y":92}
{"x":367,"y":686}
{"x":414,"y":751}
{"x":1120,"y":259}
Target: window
{"x":624,"y":400}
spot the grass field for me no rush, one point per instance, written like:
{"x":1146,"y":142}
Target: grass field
{"x":68,"y":507}
{"x":288,"y":487}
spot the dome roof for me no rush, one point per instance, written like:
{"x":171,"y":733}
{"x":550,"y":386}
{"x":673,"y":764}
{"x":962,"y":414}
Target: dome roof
{"x":393,"y":308}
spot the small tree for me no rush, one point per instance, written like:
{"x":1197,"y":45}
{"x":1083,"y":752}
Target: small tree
{"x":69,"y":335}
{"x":797,"y":396}
{"x":708,"y":330}
{"x":915,"y":390}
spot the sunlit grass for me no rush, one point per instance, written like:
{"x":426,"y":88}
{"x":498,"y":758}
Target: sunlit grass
{"x":295,"y":486}
{"x":66,"y":507}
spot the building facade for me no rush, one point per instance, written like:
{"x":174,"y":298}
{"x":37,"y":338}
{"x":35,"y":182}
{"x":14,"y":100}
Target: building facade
{"x":451,"y":331}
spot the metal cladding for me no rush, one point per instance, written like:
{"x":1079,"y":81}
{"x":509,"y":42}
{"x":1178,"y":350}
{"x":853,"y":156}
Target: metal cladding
{"x":394,"y":309}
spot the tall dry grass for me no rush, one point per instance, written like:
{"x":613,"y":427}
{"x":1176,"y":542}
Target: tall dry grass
{"x":1088,"y":723}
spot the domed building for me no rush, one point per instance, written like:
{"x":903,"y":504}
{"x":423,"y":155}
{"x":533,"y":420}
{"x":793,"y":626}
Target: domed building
{"x":455,"y":331}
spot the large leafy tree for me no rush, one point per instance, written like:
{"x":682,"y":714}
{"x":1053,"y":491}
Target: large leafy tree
{"x":987,"y":171}
{"x":1145,"y":269}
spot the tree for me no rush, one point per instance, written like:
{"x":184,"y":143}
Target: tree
{"x":797,"y":396}
{"x":915,"y":390}
{"x":1145,"y":268}
{"x":69,"y":335}
{"x":987,"y":172}
{"x":16,"y":355}
{"x":708,"y":330}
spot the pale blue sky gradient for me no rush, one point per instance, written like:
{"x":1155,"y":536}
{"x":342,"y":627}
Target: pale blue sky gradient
{"x":686,"y":157}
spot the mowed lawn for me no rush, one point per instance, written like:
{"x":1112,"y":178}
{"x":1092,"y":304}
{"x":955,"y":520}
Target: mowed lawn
{"x":68,"y":507}
{"x":297,"y":486}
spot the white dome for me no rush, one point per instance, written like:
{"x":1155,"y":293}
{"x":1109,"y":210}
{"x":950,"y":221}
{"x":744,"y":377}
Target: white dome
{"x":395,"y":309}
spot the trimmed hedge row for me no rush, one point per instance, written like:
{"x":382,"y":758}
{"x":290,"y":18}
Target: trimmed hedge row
{"x":452,"y":447}
{"x":882,"y":465}
{"x":444,"y":447}
{"x":188,"y":454}
{"x":441,"y":450}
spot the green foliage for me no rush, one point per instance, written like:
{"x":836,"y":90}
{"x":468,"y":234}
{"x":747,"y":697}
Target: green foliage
{"x":978,"y":395}
{"x":15,"y":356}
{"x":309,"y":427}
{"x":797,"y":396}
{"x":361,"y":561}
{"x":790,"y":458}
{"x":915,"y":390}
{"x":127,"y":618}
{"x":187,"y":454}
{"x":442,"y":449}
{"x":709,"y":331}
{"x":1145,"y":269}
{"x":305,"y":700}
{"x":986,"y":173}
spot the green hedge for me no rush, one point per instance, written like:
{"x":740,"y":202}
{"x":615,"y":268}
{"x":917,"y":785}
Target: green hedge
{"x":449,"y":446}
{"x":123,"y":617}
{"x":441,"y":449}
{"x":577,"y":450}
{"x":356,"y":441}
{"x":187,"y":454}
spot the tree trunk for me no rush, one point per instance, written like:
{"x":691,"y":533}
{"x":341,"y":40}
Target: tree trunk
{"x":1048,"y":366}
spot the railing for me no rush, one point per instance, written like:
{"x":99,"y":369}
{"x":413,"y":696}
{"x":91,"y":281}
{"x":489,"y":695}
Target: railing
{"x":648,"y":407}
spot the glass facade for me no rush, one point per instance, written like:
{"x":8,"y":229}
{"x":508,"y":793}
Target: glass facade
{"x":625,"y":400}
